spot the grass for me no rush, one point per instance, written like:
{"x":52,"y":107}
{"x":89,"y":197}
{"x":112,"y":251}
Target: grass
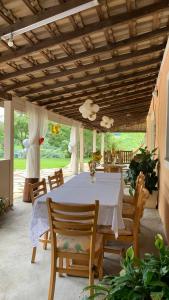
{"x":46,"y":163}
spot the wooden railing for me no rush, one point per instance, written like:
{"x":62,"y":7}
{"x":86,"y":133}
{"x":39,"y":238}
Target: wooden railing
{"x":121,"y":157}
{"x":125,"y":157}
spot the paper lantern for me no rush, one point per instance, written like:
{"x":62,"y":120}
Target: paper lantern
{"x":26,"y":143}
{"x":106,"y":122}
{"x":88,"y":110}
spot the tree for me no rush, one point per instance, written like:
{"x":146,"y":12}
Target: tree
{"x":20,"y":128}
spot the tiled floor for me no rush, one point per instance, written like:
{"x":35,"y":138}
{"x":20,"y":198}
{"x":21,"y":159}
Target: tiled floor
{"x":20,"y":175}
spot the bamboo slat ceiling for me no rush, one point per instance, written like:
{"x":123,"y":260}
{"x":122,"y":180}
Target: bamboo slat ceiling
{"x":110,"y":53}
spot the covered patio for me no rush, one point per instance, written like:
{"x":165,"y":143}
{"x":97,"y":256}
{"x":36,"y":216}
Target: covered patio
{"x":101,"y":65}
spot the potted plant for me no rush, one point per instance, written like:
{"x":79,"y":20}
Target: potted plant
{"x":146,"y":163}
{"x":139,"y":279}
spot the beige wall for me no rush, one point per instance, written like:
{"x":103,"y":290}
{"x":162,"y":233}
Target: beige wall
{"x":159,"y":107}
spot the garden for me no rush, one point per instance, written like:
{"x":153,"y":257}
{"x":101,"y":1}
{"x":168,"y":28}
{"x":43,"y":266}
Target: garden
{"x":54,"y":150}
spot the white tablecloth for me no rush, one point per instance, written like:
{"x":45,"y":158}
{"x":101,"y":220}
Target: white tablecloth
{"x":108,"y":189}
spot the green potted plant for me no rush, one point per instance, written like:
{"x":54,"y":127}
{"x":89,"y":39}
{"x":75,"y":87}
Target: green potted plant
{"x":139,"y":279}
{"x":146,"y":163}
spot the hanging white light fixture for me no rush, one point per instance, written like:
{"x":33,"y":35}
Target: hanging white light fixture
{"x":106,"y":122}
{"x":88,"y":110}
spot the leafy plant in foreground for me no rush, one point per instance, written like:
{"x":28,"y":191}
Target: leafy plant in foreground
{"x":139,"y":279}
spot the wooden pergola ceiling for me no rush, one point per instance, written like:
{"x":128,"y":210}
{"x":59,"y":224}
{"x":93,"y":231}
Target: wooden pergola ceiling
{"x":110,"y":53}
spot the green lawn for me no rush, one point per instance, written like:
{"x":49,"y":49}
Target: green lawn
{"x":46,"y":163}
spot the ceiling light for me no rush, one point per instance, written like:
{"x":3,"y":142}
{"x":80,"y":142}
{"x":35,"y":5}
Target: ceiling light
{"x":10,"y":41}
{"x":31,"y":26}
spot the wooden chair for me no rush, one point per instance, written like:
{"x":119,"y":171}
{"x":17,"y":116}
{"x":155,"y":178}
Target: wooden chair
{"x":73,"y":237}
{"x":112,"y":169}
{"x":130,"y":203}
{"x":108,"y":158}
{"x":56,"y":180}
{"x":130,"y":234}
{"x":37,"y":190}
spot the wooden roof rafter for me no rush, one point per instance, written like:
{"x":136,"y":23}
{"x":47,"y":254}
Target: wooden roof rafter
{"x":110,"y":54}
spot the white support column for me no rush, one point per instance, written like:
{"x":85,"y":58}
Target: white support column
{"x":9,"y":142}
{"x":73,"y":145}
{"x":81,"y":133}
{"x":102,"y":145}
{"x":94,"y":140}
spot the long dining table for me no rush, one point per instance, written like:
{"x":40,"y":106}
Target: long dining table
{"x":107,"y":188}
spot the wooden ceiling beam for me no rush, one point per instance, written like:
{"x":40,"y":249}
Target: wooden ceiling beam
{"x":116,"y":110}
{"x":91,"y":28}
{"x":5,"y":96}
{"x":112,"y":100}
{"x":40,"y":16}
{"x":101,"y":99}
{"x":115,"y":59}
{"x":121,"y":81}
{"x":79,"y":100}
{"x":118,"y":70}
{"x":88,"y":67}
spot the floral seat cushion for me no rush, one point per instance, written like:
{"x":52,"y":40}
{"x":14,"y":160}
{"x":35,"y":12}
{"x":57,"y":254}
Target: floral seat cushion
{"x":77,"y":244}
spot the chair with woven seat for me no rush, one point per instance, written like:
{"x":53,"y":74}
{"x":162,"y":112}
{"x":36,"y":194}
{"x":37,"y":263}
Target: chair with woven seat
{"x":74,"y":238}
{"x":37,"y":190}
{"x":56,"y":180}
{"x":130,"y":234}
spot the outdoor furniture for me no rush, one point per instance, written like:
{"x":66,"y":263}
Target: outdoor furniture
{"x":129,"y":202}
{"x":37,"y":190}
{"x":112,"y":169}
{"x":75,"y":227}
{"x":130,"y":234}
{"x":107,"y":189}
{"x":56,"y":180}
{"x":125,"y":156}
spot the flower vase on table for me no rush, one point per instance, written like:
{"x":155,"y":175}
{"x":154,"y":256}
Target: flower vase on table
{"x":92,"y":171}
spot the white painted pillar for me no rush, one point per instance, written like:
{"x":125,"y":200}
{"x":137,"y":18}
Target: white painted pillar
{"x":9,"y":142}
{"x":74,"y":163}
{"x":94,"y":140}
{"x":81,"y":134}
{"x":102,"y":145}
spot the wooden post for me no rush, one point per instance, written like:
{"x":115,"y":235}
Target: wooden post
{"x":9,"y":142}
{"x":81,"y":133}
{"x":102,"y":146}
{"x":94,"y":140}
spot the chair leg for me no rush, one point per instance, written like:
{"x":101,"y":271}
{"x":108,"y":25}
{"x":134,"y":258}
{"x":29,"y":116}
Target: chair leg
{"x":101,"y":268}
{"x":91,"y":281}
{"x":33,"y":255}
{"x":52,"y":281}
{"x":136,"y":247}
{"x":45,"y":240}
{"x":60,"y":265}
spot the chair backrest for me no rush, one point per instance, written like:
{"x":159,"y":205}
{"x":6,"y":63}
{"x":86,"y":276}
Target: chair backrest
{"x":56,"y":180}
{"x":37,"y":189}
{"x":140,"y":182}
{"x":143,"y":194}
{"x":73,"y":221}
{"x":108,"y":158}
{"x":112,"y":169}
